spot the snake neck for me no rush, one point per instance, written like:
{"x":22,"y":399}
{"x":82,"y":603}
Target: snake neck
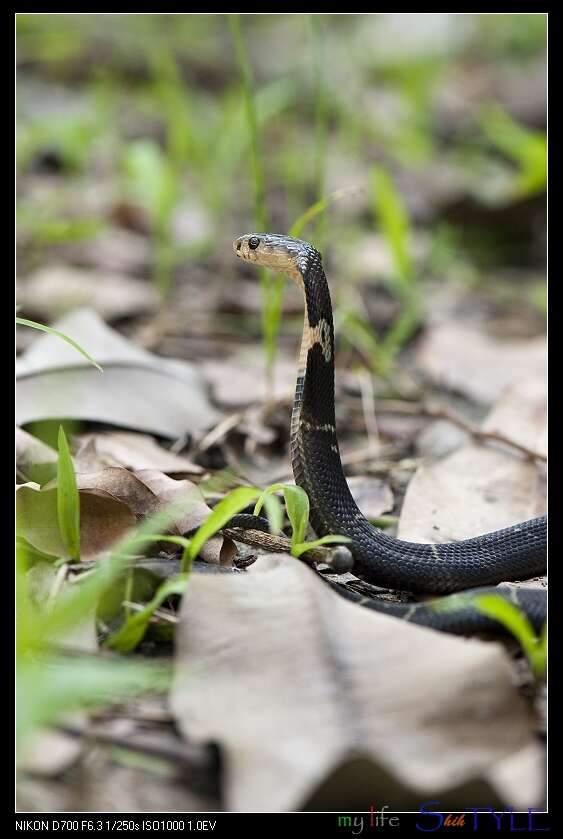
{"x":315,"y":456}
{"x":516,"y":552}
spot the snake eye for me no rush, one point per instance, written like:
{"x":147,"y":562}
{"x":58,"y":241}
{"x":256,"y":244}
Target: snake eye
{"x":253,"y":242}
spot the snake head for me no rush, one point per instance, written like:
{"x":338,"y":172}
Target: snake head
{"x":283,"y":254}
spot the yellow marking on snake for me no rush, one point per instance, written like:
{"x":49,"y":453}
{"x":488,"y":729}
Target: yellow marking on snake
{"x":434,"y":550}
{"x":320,"y":334}
{"x":311,"y":427}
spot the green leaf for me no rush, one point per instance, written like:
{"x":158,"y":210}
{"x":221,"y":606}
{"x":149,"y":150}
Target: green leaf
{"x":82,"y":681}
{"x":510,"y":616}
{"x":273,"y":507}
{"x":527,"y":148}
{"x":517,"y":623}
{"x":318,"y":207}
{"x":151,"y":180}
{"x":43,"y":328}
{"x":232,"y":504}
{"x":394,"y":221}
{"x":297,"y":506}
{"x":75,"y":605}
{"x":128,"y":636}
{"x":68,"y":499}
{"x":302,"y":547}
{"x":76,"y":683}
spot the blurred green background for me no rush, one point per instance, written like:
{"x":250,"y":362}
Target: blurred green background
{"x":416,"y":142}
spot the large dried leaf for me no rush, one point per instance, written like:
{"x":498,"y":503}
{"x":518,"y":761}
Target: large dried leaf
{"x":482,"y":487}
{"x":468,"y":361}
{"x":292,"y":681}
{"x":134,"y":451}
{"x":111,"y":501}
{"x":169,"y":491}
{"x":104,"y":519}
{"x":241,"y":380}
{"x":57,"y":289}
{"x":137,"y":389}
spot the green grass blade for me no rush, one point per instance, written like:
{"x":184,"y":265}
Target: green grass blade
{"x":508,"y":615}
{"x":129,"y":636}
{"x":76,"y":604}
{"x":68,"y":499}
{"x":317,"y":208}
{"x":394,"y":221}
{"x":245,"y":70}
{"x":76,"y":684}
{"x":43,"y":328}
{"x":272,"y":289}
{"x":297,"y":506}
{"x":517,"y":623}
{"x":232,"y":504}
{"x":527,"y":148}
{"x":321,"y":118}
{"x":275,"y":514}
{"x":88,"y":681}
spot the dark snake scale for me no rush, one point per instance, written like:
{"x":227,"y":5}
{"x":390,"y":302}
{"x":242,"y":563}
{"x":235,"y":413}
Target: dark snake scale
{"x":514,"y":553}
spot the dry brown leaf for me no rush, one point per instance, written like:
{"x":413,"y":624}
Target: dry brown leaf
{"x":292,"y":681}
{"x":218,"y":550}
{"x":134,"y":451}
{"x":137,"y":389}
{"x":372,"y":495}
{"x":241,"y":380}
{"x":103,"y":520}
{"x":147,"y":491}
{"x":111,"y":501}
{"x":468,"y":361}
{"x":480,"y":488}
{"x":57,"y":289}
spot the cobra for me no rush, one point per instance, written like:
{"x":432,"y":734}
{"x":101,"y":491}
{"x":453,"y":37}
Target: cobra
{"x":514,"y":553}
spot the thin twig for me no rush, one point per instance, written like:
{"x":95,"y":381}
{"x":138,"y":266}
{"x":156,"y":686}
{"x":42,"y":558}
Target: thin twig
{"x":196,"y":759}
{"x":399,"y":407}
{"x":219,"y":432}
{"x":158,"y":613}
{"x":278,"y":544}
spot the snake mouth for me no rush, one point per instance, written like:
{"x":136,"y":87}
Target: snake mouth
{"x":242,"y":249}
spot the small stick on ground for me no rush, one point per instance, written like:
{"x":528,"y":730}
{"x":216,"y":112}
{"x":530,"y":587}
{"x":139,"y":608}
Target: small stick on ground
{"x":399,"y":407}
{"x":278,"y":544}
{"x":198,"y":761}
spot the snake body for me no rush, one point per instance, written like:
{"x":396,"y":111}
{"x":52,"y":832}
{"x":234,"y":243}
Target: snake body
{"x":514,"y":553}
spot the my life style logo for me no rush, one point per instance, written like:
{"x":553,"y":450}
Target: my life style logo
{"x":431,"y":819}
{"x":480,"y":818}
